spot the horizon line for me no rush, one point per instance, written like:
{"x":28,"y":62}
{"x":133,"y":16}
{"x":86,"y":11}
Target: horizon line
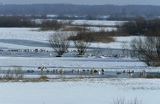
{"x":78,"y":4}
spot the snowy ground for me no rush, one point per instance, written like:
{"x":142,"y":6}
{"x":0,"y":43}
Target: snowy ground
{"x":93,"y":91}
{"x":70,"y":63}
{"x":31,"y":38}
{"x":97,"y":22}
{"x":23,"y":38}
{"x":87,"y":91}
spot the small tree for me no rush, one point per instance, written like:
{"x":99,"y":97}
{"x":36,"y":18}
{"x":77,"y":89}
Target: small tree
{"x":81,"y":47}
{"x":148,"y":50}
{"x":124,"y":48}
{"x":59,"y":42}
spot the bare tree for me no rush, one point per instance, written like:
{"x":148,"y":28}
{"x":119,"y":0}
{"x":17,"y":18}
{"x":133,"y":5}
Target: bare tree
{"x":59,"y":42}
{"x":124,"y":48}
{"x":148,"y":49}
{"x":81,"y":46}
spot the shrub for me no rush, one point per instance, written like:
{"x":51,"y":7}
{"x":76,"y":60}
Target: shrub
{"x":148,"y":50}
{"x":51,"y":25}
{"x":15,"y":74}
{"x":140,"y":26}
{"x":59,"y":42}
{"x":81,"y":46}
{"x":101,"y":36}
{"x":43,"y":78}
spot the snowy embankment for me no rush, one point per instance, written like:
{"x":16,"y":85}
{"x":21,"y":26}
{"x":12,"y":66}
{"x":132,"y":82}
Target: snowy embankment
{"x":94,"y":91}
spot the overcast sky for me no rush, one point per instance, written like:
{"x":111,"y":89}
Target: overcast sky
{"x":119,"y":2}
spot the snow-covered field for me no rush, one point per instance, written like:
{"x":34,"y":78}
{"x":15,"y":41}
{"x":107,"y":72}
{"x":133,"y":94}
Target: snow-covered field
{"x":31,"y":38}
{"x":92,"y":62}
{"x":75,"y":91}
{"x":70,"y":63}
{"x":97,"y":22}
{"x":91,"y":91}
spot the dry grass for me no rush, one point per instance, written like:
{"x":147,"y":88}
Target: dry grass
{"x":43,"y":78}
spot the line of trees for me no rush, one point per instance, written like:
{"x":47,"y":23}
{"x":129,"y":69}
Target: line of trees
{"x":141,"y":26}
{"x":22,"y":21}
{"x":16,"y":21}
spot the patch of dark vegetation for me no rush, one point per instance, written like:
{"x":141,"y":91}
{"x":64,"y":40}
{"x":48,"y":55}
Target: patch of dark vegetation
{"x":141,"y":26}
{"x":152,"y":76}
{"x":51,"y":25}
{"x":22,"y":21}
{"x":43,"y":78}
{"x":75,"y":28}
{"x":16,"y":21}
{"x":101,"y":36}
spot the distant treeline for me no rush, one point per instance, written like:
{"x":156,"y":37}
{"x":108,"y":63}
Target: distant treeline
{"x":141,"y":26}
{"x":15,"y":21}
{"x":20,"y":21}
{"x":89,"y":11}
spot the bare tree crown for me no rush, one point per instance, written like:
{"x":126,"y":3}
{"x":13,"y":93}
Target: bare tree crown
{"x":59,"y":42}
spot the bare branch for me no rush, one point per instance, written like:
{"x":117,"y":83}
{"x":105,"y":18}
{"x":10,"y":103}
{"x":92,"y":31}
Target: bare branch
{"x":81,"y":47}
{"x":148,"y":49}
{"x":59,"y":43}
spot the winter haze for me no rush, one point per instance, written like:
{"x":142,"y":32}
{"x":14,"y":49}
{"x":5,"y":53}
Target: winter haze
{"x":90,"y":2}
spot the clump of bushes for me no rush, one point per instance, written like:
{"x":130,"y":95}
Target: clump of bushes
{"x":51,"y":25}
{"x":75,"y":28}
{"x":16,"y":21}
{"x":15,"y":74}
{"x":43,"y":78}
{"x":59,"y":42}
{"x":153,"y":76}
{"x":81,"y":47}
{"x":101,"y":36}
{"x":141,"y":26}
